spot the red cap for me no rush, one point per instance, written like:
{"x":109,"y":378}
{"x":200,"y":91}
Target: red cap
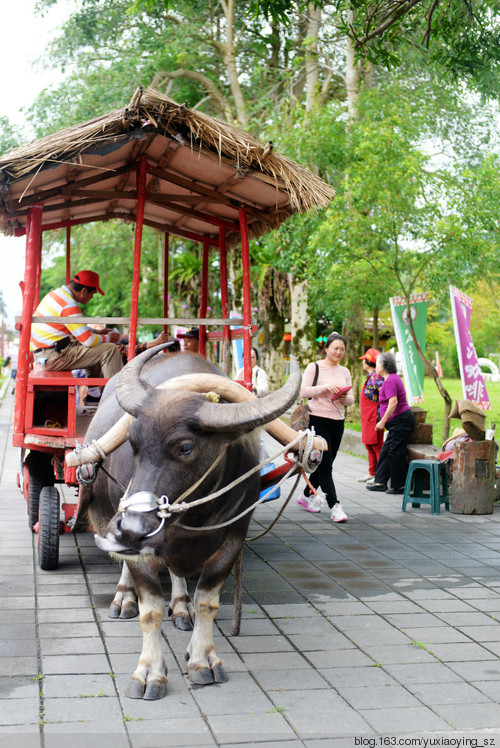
{"x":88,"y":278}
{"x":193,"y":332}
{"x":371,"y":355}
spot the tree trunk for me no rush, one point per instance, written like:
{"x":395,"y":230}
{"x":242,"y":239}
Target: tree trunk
{"x":312,"y":57}
{"x":303,"y":325}
{"x":353,"y":330}
{"x":375,"y":328}
{"x":352,"y":74}
{"x":273,"y":304}
{"x":229,"y":57}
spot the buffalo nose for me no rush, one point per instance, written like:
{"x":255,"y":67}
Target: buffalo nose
{"x":135,"y":525}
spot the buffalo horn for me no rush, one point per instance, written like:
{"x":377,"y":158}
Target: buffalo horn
{"x":248,"y":416}
{"x":131,"y":390}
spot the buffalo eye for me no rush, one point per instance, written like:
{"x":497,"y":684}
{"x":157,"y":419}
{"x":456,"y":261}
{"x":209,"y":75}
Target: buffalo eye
{"x":185,"y":448}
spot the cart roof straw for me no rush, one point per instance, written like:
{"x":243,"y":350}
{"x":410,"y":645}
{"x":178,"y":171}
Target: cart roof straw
{"x":200,"y":172}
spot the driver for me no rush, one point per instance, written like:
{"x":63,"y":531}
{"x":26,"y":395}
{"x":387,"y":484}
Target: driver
{"x":73,"y":345}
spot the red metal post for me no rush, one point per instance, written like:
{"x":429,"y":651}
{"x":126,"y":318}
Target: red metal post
{"x":136,"y":274}
{"x":33,"y":239}
{"x":165,"y":279}
{"x":224,"y":297}
{"x":204,"y":297}
{"x":68,"y":254}
{"x":38,"y":273}
{"x":247,"y":304}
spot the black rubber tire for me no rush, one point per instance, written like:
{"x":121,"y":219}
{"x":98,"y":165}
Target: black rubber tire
{"x":48,"y":529}
{"x":41,"y":474}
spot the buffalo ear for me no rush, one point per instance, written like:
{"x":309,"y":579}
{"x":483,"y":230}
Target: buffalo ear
{"x":131,"y":390}
{"x":247,"y":416}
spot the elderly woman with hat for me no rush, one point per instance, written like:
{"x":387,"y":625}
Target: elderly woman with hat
{"x":397,"y":417}
{"x":372,"y":438}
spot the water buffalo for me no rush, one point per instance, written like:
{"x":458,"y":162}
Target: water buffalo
{"x":179,"y":441}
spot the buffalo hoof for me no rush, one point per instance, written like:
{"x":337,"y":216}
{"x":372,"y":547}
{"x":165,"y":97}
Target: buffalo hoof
{"x":205,"y":676}
{"x":117,"y":610}
{"x":152,"y":691}
{"x":182,"y":622}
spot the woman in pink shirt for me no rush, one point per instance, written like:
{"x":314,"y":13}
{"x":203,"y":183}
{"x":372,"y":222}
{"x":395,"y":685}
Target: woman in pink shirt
{"x":329,"y":387}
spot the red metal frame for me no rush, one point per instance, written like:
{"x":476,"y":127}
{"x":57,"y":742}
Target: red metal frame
{"x":165,"y":278}
{"x":247,"y":302}
{"x":29,"y":290}
{"x":136,"y":273}
{"x":204,"y":297}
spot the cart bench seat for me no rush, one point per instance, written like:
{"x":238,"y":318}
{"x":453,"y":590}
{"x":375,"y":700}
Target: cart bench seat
{"x":51,"y":409}
{"x":40,"y":376}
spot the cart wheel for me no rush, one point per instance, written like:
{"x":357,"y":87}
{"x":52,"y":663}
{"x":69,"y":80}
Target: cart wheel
{"x":40,"y":474}
{"x":48,"y":529}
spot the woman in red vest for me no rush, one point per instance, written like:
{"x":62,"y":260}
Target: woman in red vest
{"x":372,"y":438}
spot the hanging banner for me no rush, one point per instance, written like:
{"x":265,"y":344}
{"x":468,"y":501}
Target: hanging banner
{"x":413,"y":366}
{"x":473,"y":385}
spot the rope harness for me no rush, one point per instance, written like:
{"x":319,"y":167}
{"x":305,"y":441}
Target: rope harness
{"x":306,"y":461}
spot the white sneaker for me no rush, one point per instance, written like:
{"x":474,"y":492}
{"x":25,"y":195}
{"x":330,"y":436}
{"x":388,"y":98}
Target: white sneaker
{"x":311,"y":503}
{"x":337,"y":513}
{"x":365,"y":478}
{"x":370,"y":480}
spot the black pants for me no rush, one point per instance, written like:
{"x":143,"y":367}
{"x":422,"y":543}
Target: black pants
{"x":331,"y":431}
{"x":392,"y":460}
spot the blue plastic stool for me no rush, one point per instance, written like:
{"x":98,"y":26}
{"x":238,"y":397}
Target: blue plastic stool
{"x":416,"y":473}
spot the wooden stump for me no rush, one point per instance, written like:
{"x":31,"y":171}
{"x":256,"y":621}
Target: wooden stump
{"x":472,"y":489}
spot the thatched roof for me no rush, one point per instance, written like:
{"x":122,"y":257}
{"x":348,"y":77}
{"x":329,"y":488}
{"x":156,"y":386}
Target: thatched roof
{"x":200,"y":171}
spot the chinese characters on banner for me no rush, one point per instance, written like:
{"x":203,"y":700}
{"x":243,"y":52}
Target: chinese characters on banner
{"x":413,"y":366}
{"x":473,"y":385}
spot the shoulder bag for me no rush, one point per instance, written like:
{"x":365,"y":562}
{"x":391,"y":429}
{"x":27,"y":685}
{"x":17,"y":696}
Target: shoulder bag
{"x":299,"y":418}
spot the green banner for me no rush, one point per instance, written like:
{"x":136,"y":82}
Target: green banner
{"x":413,"y":366}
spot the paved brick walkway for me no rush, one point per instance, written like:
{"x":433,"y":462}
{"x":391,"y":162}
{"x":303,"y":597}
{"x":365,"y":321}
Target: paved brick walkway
{"x":384,"y":626}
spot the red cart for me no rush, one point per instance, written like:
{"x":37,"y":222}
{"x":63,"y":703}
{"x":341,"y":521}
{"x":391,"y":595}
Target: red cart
{"x":157,"y":164}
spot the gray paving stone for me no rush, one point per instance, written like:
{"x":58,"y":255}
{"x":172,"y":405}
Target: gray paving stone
{"x":275,"y":660}
{"x":77,"y":664}
{"x":93,"y":709}
{"x":450,"y":693}
{"x":318,"y":713}
{"x":435,"y":635}
{"x":248,"y":644}
{"x":391,"y":696}
{"x":20,"y":711}
{"x":477,"y":671}
{"x":424,"y":673}
{"x":78,"y":686}
{"x":340,"y":658}
{"x":66,"y":615}
{"x":476,"y":716}
{"x":72,"y":646}
{"x":19,"y":687}
{"x":460,"y":652}
{"x":262,"y":727}
{"x":285,"y":680}
{"x":19,"y":666}
{"x":103,"y":732}
{"x":170,"y":732}
{"x":399,"y":653}
{"x":416,"y":719}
